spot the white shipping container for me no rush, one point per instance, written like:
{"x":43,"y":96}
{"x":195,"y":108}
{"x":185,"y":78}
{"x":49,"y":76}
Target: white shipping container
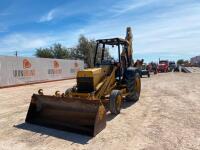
{"x":24,"y":70}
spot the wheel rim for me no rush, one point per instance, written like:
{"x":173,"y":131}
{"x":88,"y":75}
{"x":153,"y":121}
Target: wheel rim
{"x":137,"y":85}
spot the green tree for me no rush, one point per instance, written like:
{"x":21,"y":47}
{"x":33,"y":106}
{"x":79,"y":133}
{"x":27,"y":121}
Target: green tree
{"x":86,"y":50}
{"x":55,"y":51}
{"x":59,"y":51}
{"x":44,"y":53}
{"x":76,"y":53}
{"x":180,"y":61}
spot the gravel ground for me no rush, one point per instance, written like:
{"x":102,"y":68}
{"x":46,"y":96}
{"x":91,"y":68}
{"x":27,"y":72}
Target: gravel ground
{"x":167,"y":116}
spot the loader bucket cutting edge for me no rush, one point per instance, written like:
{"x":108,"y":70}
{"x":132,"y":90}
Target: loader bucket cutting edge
{"x":67,"y":113}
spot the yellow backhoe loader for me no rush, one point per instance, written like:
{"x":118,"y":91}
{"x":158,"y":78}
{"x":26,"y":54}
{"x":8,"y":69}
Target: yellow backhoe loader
{"x":103,"y":88}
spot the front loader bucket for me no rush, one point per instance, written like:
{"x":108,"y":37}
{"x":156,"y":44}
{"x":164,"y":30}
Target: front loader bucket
{"x":67,"y":113}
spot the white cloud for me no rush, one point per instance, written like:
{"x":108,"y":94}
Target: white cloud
{"x":171,"y":32}
{"x":130,"y":5}
{"x":48,"y":17}
{"x":174,"y":32}
{"x":23,"y":42}
{"x":63,"y":11}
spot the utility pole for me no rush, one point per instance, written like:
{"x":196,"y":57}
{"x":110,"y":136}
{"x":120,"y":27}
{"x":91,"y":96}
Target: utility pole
{"x":16,"y":53}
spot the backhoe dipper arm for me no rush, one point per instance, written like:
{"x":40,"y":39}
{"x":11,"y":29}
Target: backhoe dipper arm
{"x":128,"y":50}
{"x":129,"y":38}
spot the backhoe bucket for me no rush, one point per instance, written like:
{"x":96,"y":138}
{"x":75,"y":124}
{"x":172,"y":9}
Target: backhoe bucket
{"x":67,"y":113}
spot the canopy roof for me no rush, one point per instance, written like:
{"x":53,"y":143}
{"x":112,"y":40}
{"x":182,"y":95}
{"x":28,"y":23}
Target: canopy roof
{"x":113,"y":41}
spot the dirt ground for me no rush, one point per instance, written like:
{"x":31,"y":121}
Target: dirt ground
{"x":167,"y":116}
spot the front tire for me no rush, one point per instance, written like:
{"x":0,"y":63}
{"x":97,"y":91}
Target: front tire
{"x":115,"y":102}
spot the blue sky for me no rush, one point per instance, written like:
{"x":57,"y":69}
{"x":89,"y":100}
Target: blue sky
{"x":168,"y":29}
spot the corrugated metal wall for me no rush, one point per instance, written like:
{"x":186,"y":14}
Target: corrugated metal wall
{"x":22,"y":70}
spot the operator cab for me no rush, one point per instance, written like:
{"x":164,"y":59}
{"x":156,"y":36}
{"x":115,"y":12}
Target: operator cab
{"x":112,"y":52}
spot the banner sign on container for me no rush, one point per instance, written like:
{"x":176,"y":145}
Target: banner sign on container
{"x":23,"y":70}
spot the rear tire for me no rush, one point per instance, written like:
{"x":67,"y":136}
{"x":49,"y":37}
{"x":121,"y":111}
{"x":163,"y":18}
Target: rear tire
{"x":133,"y":83}
{"x":115,"y":102}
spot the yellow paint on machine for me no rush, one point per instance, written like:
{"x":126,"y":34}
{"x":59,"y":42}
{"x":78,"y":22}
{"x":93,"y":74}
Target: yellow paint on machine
{"x":94,"y":73}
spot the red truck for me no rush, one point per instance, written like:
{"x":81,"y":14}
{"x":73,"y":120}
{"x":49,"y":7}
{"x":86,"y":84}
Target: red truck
{"x":163,"y":66}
